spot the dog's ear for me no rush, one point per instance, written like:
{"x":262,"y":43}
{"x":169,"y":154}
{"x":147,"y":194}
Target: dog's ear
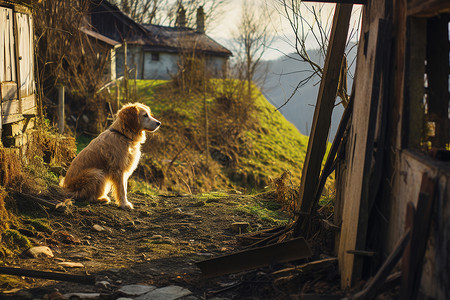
{"x":129,"y":116}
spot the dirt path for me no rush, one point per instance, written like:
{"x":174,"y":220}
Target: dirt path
{"x":157,"y":243}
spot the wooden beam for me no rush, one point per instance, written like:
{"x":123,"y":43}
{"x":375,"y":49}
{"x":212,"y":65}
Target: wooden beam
{"x":419,"y":220}
{"x":322,"y":114}
{"x":84,"y":279}
{"x":373,"y":70}
{"x":339,"y":1}
{"x":254,"y":258}
{"x":374,"y":285}
{"x":428,"y":8}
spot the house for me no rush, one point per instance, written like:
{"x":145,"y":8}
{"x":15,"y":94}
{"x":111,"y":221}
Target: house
{"x":153,"y":51}
{"x":391,"y":154}
{"x":107,"y":48}
{"x":17,"y":87}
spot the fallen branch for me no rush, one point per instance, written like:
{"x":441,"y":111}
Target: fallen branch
{"x":83,"y":279}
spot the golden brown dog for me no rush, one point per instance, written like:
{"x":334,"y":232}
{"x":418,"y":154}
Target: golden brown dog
{"x":109,"y":159}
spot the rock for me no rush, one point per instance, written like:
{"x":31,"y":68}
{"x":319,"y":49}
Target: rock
{"x":171,"y":292}
{"x":136,"y":289}
{"x":98,"y":228}
{"x":40,"y":251}
{"x":103,"y":284}
{"x":156,"y":237}
{"x":82,"y":296}
{"x":24,"y":295}
{"x":56,"y":296}
{"x":69,"y":264}
{"x":240,"y":227}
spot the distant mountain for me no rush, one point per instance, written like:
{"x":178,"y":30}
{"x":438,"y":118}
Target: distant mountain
{"x":282,"y":77}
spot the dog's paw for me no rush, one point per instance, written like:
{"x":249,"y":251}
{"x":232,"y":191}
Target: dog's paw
{"x":104,"y":200}
{"x":127,"y":205}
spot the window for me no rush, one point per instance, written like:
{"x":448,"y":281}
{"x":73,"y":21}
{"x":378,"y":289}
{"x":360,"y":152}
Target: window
{"x":155,"y":56}
{"x":427,"y":84}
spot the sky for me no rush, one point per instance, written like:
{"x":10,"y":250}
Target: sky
{"x":283,"y":32}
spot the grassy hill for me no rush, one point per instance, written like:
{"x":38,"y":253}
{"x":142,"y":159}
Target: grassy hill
{"x":249,"y":141}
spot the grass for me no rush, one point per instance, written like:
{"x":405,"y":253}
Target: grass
{"x":267,"y":150}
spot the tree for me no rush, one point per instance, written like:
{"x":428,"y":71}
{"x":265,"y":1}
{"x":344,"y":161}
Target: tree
{"x":66,"y":56}
{"x":143,"y":11}
{"x":254,"y":35}
{"x":311,"y":25}
{"x":165,"y":12}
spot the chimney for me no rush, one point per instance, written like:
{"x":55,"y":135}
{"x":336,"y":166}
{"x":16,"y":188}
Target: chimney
{"x":181,"y":17}
{"x":200,"y":20}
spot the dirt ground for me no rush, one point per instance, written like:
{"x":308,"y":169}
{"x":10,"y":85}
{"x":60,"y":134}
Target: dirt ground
{"x":157,"y":243}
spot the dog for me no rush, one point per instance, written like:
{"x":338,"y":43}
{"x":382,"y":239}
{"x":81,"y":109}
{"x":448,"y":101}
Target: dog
{"x":109,"y":159}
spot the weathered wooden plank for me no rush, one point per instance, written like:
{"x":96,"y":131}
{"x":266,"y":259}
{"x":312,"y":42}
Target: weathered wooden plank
{"x":25,"y":53}
{"x":419,"y":237}
{"x":2,"y":44}
{"x":428,"y":8}
{"x":28,"y":102}
{"x":7,"y":73}
{"x":339,"y":1}
{"x":375,"y":284}
{"x":7,"y":119}
{"x":371,"y":65}
{"x":8,"y":91}
{"x":323,"y":111}
{"x":10,"y":107}
{"x":254,"y":258}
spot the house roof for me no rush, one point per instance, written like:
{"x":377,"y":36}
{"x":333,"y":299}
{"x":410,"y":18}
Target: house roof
{"x":100,"y":37}
{"x":109,"y":21}
{"x":176,"y":39}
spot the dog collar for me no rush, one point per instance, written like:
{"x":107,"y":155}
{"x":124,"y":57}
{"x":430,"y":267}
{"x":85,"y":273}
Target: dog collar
{"x":120,"y":133}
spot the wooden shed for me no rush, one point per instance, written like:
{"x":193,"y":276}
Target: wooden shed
{"x":391,"y":153}
{"x":17,"y":86}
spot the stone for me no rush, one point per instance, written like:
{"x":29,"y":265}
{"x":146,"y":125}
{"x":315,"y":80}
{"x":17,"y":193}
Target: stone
{"x":171,"y":292}
{"x":69,"y":264}
{"x":98,"y":228}
{"x":40,"y":251}
{"x":82,"y":296}
{"x":156,"y":237}
{"x":240,"y":227}
{"x":136,"y":289}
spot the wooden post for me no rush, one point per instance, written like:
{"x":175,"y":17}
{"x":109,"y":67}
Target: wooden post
{"x":61,"y":116}
{"x":125,"y":72}
{"x":324,"y":108}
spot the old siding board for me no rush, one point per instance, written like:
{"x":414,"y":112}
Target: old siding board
{"x":25,"y":52}
{"x":8,"y":73}
{"x":324,"y":109}
{"x":406,"y":186}
{"x":362,"y":135}
{"x":11,"y":107}
{"x":8,"y":91}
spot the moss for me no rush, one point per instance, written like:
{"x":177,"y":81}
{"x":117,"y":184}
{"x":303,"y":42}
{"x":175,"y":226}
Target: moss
{"x":15,"y":240}
{"x":41,"y":225}
{"x":4,"y":216}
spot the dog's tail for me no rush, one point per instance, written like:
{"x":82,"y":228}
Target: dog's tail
{"x":85,"y":185}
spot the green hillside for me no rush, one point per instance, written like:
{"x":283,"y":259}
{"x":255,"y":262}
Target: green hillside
{"x":249,"y":141}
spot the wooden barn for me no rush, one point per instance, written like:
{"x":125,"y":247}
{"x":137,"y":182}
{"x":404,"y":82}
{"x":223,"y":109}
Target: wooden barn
{"x":17,"y":86}
{"x":391,"y":153}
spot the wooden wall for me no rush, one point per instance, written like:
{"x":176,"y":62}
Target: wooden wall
{"x":384,"y":159}
{"x":17,"y":86}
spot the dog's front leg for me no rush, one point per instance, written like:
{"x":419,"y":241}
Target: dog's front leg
{"x":121,"y":194}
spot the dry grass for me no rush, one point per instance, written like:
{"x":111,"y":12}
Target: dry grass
{"x":4,"y":216}
{"x":287,"y":192}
